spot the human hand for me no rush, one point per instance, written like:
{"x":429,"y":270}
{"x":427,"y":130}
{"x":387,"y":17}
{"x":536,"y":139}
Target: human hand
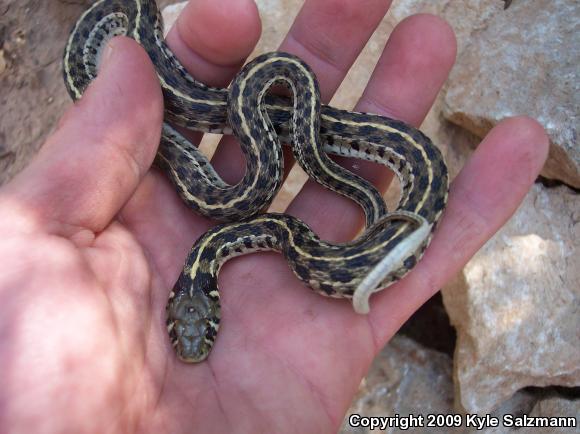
{"x":93,"y":241}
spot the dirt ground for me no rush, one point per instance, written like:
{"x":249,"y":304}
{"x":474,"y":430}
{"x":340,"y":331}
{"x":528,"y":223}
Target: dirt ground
{"x":33,"y":34}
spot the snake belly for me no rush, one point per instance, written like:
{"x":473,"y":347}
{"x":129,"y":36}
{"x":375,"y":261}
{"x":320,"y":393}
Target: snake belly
{"x":392,"y":242}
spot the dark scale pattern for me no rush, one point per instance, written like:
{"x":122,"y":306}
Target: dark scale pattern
{"x":368,"y":130}
{"x":417,"y":154}
{"x":439,"y":204}
{"x":401,"y":149}
{"x":355,"y":262}
{"x":437,"y":183}
{"x":302,"y":272}
{"x":210,"y":333}
{"x":395,"y":138}
{"x":327,"y":289}
{"x":410,"y":262}
{"x":292,"y":255}
{"x":341,"y":275}
{"x":422,"y":182}
{"x":319,"y":264}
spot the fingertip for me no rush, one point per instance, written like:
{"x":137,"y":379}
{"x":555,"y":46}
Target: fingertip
{"x":496,"y":178}
{"x":92,"y":163}
{"x":431,"y":33}
{"x":129,"y":70}
{"x":520,"y":142}
{"x":210,"y":36}
{"x":240,"y":26}
{"x":527,"y":133}
{"x":125,"y":99}
{"x":412,"y":69}
{"x":425,"y":41}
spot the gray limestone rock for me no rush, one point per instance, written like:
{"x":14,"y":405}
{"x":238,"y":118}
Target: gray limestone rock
{"x":516,"y":306}
{"x":525,"y":62}
{"x":405,"y":379}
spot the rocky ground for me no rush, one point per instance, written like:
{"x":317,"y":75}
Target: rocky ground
{"x":514,"y":345}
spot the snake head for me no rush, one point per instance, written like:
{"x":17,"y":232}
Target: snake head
{"x":192,"y":322}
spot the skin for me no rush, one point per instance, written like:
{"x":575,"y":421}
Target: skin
{"x":92,"y":240}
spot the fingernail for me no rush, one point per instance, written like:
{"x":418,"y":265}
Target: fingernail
{"x":107,"y":55}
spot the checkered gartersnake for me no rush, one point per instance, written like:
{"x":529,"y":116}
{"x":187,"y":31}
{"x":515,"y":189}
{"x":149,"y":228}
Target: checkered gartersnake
{"x":392,"y":242}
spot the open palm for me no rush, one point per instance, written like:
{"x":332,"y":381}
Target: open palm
{"x":92,"y":241}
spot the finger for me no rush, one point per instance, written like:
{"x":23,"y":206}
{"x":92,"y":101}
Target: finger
{"x":212,"y":56}
{"x":414,"y":65}
{"x":483,"y":197}
{"x":328,"y":35}
{"x":212,"y":39}
{"x":103,"y":146}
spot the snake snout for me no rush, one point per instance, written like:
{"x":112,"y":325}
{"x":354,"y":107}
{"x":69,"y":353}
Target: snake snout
{"x":191,"y":326}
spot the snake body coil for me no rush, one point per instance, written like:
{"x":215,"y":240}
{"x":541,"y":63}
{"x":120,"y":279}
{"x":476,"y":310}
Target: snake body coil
{"x":392,"y":242}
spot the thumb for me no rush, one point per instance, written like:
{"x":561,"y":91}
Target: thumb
{"x":102,"y":148}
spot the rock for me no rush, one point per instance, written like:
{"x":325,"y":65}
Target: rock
{"x":515,"y":307}
{"x":524,"y":62}
{"x":430,"y":327}
{"x":407,"y":378}
{"x":550,"y":407}
{"x":170,"y":14}
{"x":32,"y":93}
{"x":3,"y":62}
{"x":466,"y":17}
{"x":404,"y":379}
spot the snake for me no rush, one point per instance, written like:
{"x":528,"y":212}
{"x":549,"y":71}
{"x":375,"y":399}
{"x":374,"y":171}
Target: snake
{"x":262,"y":120}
